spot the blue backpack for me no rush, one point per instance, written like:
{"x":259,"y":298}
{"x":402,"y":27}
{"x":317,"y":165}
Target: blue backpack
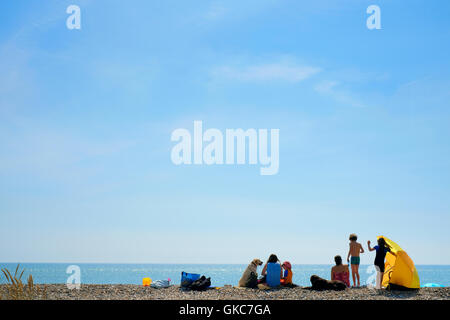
{"x":188,"y":278}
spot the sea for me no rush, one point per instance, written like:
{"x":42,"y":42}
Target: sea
{"x":220,"y":274}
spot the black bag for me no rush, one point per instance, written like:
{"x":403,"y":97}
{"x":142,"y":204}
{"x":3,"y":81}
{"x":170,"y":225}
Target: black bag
{"x":252,"y":281}
{"x":201,"y":284}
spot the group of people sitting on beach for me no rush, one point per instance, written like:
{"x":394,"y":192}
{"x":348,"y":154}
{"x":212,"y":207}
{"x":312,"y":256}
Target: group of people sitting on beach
{"x":275,"y":273}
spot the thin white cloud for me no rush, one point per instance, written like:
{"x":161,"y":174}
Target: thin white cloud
{"x":16,"y":77}
{"x":331,"y":89}
{"x":216,"y":11}
{"x":225,"y":11}
{"x":30,"y":148}
{"x":278,"y":71}
{"x":326,"y":86}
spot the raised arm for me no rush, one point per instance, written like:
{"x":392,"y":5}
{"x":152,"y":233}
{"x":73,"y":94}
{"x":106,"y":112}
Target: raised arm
{"x":368,"y":245}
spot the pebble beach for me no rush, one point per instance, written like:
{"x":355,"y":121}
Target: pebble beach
{"x":137,"y":292}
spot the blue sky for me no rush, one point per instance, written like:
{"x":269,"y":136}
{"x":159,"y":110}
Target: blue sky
{"x":86,"y":117}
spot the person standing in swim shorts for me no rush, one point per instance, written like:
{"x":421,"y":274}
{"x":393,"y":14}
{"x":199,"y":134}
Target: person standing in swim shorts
{"x":354,"y":251}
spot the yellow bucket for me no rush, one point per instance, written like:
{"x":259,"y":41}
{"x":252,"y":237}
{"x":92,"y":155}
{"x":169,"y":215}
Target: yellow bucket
{"x":146,"y":282}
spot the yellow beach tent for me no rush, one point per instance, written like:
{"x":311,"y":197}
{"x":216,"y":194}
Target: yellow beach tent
{"x":399,"y":269}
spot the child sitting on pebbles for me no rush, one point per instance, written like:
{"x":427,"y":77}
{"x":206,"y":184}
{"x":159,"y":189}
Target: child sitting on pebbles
{"x":286,"y":280}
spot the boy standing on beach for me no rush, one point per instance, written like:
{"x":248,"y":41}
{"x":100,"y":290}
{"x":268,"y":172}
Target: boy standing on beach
{"x":354,"y":251}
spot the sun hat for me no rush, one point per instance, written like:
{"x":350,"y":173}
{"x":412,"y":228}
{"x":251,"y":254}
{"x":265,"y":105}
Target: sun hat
{"x":286,"y":264}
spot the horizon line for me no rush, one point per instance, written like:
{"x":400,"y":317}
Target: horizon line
{"x":198,"y":263}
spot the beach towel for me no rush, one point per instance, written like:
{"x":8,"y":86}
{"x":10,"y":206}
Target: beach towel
{"x":160,"y":284}
{"x":263,"y":286}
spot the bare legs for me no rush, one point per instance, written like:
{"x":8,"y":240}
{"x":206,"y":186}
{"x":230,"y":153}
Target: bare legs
{"x":355,"y":274}
{"x":380,"y":275}
{"x":379,"y":280}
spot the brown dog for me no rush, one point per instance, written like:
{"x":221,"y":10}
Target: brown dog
{"x":247,"y":275}
{"x":321,"y":284}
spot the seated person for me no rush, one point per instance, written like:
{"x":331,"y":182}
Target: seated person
{"x":287,"y":277}
{"x":271,"y":272}
{"x":340,"y":271}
